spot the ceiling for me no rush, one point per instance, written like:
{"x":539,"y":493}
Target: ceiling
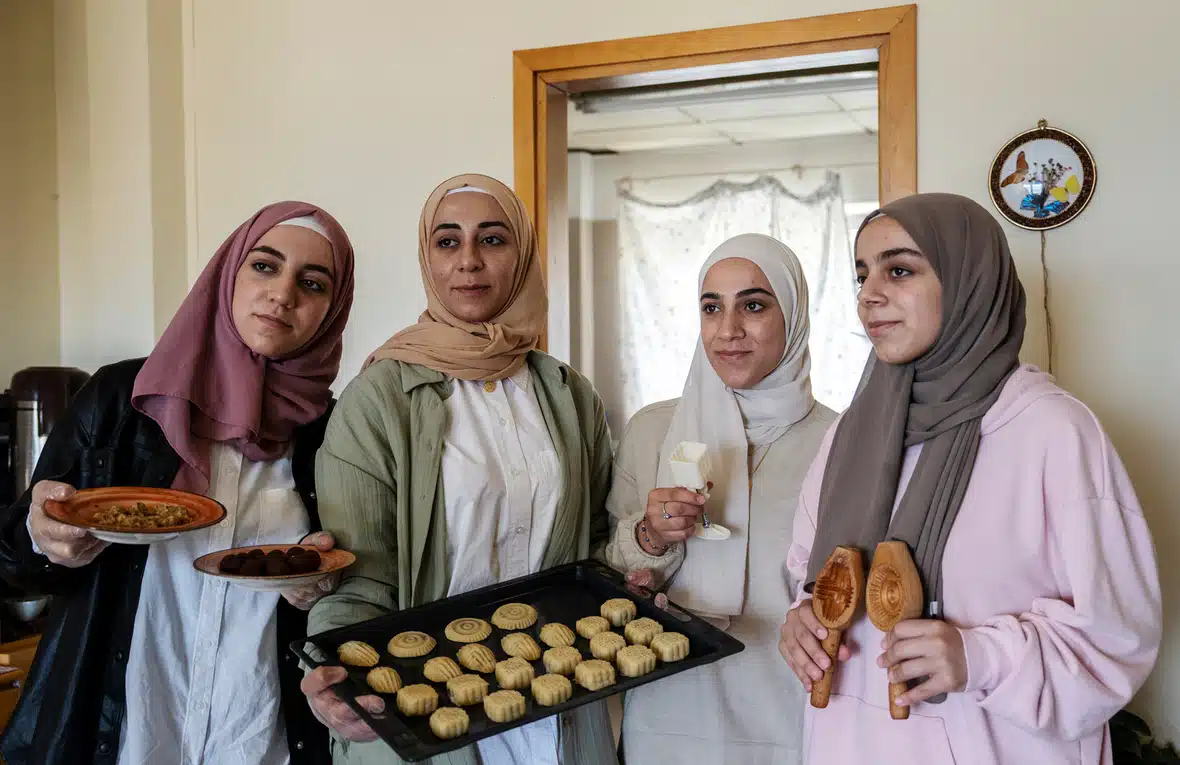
{"x":725,"y":123}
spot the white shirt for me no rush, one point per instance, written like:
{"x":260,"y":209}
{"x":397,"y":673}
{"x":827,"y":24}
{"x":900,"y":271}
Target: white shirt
{"x":202,"y":676}
{"x":501,"y":485}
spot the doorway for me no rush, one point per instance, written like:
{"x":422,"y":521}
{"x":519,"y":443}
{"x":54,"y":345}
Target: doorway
{"x":547,"y":81}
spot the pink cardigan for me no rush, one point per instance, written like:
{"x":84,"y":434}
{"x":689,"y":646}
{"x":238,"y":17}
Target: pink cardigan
{"x":1051,"y":578}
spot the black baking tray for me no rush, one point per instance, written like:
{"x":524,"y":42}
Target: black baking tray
{"x":563,"y":594}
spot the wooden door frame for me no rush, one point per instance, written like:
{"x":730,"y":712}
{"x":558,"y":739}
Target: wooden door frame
{"x":543,"y":78}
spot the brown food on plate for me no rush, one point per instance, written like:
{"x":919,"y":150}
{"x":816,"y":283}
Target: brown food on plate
{"x":290,"y":562}
{"x":253,"y":567}
{"x":143,"y":516}
{"x":231,"y":564}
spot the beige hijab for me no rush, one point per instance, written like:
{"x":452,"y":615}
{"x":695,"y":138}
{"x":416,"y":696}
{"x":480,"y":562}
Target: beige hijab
{"x":936,"y":400}
{"x":491,"y":350}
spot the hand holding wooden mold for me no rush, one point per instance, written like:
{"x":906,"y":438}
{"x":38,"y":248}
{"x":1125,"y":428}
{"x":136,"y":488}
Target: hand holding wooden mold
{"x":690,"y":470}
{"x":894,"y":594}
{"x":835,"y":600}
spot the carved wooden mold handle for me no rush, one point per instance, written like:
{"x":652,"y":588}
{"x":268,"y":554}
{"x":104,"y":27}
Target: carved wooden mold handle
{"x":836,"y":597}
{"x":893,"y":594}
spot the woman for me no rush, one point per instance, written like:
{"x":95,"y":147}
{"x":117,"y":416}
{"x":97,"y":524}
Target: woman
{"x":748,"y":397}
{"x":145,"y":661}
{"x":462,"y":457}
{"x":1022,"y":521}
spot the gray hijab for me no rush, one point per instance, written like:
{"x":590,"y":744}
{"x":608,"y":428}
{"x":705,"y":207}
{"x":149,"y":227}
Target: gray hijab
{"x":937,"y":400}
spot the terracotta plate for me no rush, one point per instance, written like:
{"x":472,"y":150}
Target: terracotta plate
{"x":80,"y":509}
{"x":330,"y":562}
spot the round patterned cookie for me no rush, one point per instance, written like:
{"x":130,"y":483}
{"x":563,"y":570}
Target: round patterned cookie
{"x":605,"y":645}
{"x":441,"y":669}
{"x":522,"y":645}
{"x":357,"y":654}
{"x":449,"y":722}
{"x":555,"y":634}
{"x":635,"y":660}
{"x":477,"y":658}
{"x":417,"y":700}
{"x":589,"y":626}
{"x":514,"y":616}
{"x":384,"y":680}
{"x":468,"y":630}
{"x":618,"y":611}
{"x":595,"y":674}
{"x":670,"y":646}
{"x":466,"y":690}
{"x":562,"y":659}
{"x":514,"y":674}
{"x":552,"y":689}
{"x":410,"y":645}
{"x":504,"y":706}
{"x":641,"y":631}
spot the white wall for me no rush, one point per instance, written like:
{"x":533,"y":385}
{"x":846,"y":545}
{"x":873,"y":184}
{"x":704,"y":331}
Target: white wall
{"x":29,"y":326}
{"x":364,"y":105}
{"x":104,"y":179}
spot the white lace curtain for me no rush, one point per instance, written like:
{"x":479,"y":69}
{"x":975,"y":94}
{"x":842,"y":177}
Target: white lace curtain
{"x":661,"y":248}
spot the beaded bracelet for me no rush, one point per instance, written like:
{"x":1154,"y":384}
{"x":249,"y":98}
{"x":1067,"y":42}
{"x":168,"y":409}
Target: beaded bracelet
{"x":647,"y":540}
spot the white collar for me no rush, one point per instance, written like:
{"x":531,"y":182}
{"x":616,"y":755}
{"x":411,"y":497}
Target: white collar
{"x":522,"y":378}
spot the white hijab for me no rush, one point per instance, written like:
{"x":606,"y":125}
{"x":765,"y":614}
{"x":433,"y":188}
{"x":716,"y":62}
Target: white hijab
{"x":712,"y":580}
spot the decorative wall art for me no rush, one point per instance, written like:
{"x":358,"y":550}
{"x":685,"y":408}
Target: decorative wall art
{"x":1043,"y":178}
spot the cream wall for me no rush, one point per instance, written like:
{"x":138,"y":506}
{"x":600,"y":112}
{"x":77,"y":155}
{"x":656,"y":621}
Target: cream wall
{"x":363,"y":105}
{"x":120,"y":175}
{"x":29,"y":325}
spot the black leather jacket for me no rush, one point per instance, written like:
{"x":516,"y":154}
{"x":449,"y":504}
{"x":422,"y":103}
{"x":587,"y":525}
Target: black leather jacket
{"x":72,"y":707}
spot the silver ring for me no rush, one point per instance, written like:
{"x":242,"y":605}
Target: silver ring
{"x":664,"y":510}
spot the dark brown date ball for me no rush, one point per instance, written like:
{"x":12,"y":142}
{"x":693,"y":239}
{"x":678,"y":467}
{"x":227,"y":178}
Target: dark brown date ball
{"x":304,"y":561}
{"x":277,"y":567}
{"x":253,"y":567}
{"x":231,"y":564}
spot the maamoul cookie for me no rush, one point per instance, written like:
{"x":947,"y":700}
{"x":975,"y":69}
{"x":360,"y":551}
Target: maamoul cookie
{"x":441,"y":669}
{"x":503,"y":706}
{"x":521,"y":644}
{"x":589,"y":626}
{"x":595,"y":674}
{"x":417,"y":700}
{"x":670,"y":646}
{"x":552,"y":689}
{"x":555,"y":634}
{"x":477,"y":658}
{"x":635,"y":660}
{"x":562,"y":659}
{"x":449,"y":722}
{"x":410,"y":645}
{"x":514,"y":616}
{"x":468,"y":630}
{"x":384,"y":680}
{"x":514,"y":674}
{"x":466,"y":690}
{"x":618,"y":611}
{"x":358,"y":654}
{"x":605,"y":645}
{"x":641,"y":631}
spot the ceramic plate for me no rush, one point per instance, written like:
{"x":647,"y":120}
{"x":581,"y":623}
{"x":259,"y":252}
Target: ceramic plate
{"x":330,"y":562}
{"x":79,"y":510}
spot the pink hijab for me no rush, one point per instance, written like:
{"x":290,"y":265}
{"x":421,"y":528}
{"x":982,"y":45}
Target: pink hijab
{"x":203,"y":384}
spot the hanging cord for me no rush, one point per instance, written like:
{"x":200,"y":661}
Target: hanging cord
{"x":1048,"y":316}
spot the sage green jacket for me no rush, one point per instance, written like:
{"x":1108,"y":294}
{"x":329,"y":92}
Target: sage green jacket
{"x":380,"y":494}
